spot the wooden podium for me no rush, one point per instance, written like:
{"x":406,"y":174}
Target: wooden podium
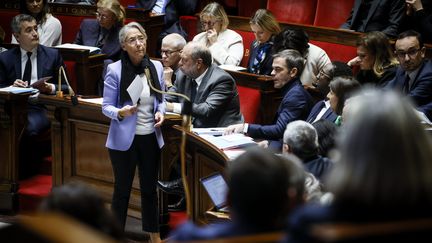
{"x":13,"y":119}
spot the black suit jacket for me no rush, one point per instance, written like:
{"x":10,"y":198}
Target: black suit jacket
{"x":216,"y":102}
{"x":88,"y":35}
{"x":173,"y":10}
{"x":49,"y":61}
{"x":328,"y":114}
{"x":383,"y":15}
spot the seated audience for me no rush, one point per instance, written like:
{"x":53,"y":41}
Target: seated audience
{"x":383,"y":176}
{"x":376,"y":15}
{"x":340,"y":90}
{"x":103,"y":32}
{"x":419,"y":17}
{"x":49,"y":27}
{"x":262,"y":189}
{"x":316,"y":58}
{"x":212,"y":91}
{"x":265,"y":28}
{"x":301,"y":139}
{"x":414,"y":76}
{"x":172,"y":9}
{"x":375,"y":58}
{"x":226,"y":46}
{"x":295,"y":105}
{"x":326,"y":131}
{"x":83,"y":204}
{"x":331,"y":70}
{"x":172,"y":46}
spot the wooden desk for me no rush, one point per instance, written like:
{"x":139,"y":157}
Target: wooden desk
{"x":78,"y":135}
{"x":270,"y":97}
{"x":203,"y":159}
{"x":13,"y":118}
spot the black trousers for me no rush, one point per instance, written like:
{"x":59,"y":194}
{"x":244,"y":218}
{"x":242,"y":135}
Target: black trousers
{"x":144,"y":153}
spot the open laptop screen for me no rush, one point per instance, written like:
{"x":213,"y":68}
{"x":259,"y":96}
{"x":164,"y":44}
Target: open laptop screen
{"x":217,"y":189}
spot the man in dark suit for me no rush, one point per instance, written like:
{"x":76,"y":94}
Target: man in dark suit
{"x":172,"y":46}
{"x":301,"y":139}
{"x":172,"y":9}
{"x":295,"y":105}
{"x":213,"y":93}
{"x":376,"y":15}
{"x":414,"y":76}
{"x":23,"y":66}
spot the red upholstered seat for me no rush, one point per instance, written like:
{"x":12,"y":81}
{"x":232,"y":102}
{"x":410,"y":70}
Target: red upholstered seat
{"x":294,"y":11}
{"x":32,"y":191}
{"x":127,"y":3}
{"x":247,"y":8}
{"x":337,"y":52}
{"x":332,"y":13}
{"x":250,"y":100}
{"x":70,"y":26}
{"x":248,"y":38}
{"x":190,"y":25}
{"x":5,"y":20}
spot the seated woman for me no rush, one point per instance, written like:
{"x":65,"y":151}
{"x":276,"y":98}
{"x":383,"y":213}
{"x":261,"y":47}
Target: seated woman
{"x":316,"y":58}
{"x":375,"y":59}
{"x":226,"y":46}
{"x":264,"y":27}
{"x":103,"y":31}
{"x":383,"y":176}
{"x":340,"y":90}
{"x":49,"y":27}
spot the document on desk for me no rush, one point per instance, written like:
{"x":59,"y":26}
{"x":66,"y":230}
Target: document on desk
{"x":231,"y":141}
{"x":214,"y":131}
{"x":92,"y":49}
{"x":18,"y":90}
{"x":232,"y":67}
{"x":97,"y":101}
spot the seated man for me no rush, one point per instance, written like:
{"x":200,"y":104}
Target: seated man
{"x":172,"y":45}
{"x":213,"y":92}
{"x":301,"y":139}
{"x":414,"y":76}
{"x":295,"y":105}
{"x":262,"y":189}
{"x":376,"y":15}
{"x":24,"y":65}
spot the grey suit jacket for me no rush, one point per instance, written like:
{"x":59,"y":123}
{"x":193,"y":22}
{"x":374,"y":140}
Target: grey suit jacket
{"x":216,"y":102}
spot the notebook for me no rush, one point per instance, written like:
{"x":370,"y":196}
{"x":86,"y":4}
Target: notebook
{"x":217,"y":189}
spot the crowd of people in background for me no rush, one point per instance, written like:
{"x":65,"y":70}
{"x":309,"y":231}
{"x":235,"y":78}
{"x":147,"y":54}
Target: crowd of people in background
{"x":344,"y":136}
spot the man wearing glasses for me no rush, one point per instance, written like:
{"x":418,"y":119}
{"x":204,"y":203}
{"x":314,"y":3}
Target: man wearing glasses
{"x":414,"y":76}
{"x":172,"y":45}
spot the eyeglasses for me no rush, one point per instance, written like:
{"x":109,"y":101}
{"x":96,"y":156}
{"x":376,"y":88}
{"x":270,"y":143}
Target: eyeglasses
{"x":411,"y":53}
{"x":135,"y":40}
{"x":101,"y":16}
{"x":168,"y":52}
{"x":208,"y":23}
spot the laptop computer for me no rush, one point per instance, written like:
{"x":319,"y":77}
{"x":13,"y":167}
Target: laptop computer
{"x":217,"y":189}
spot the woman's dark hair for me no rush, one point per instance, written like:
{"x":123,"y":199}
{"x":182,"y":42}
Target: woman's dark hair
{"x":296,"y":39}
{"x":83,"y":204}
{"x":326,"y":131}
{"x":41,"y":16}
{"x":343,"y":88}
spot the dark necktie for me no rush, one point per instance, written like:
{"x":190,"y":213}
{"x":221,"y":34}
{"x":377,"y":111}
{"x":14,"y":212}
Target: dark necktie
{"x":406,"y":85}
{"x":194,"y":90}
{"x":28,"y":69}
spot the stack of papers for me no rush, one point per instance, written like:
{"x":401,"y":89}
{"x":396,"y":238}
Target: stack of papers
{"x":214,"y":131}
{"x":232,"y":67}
{"x":18,"y":90}
{"x":92,"y":49}
{"x":231,"y":141}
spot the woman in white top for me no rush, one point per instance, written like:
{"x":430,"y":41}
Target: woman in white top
{"x":226,"y":45}
{"x":49,"y":27}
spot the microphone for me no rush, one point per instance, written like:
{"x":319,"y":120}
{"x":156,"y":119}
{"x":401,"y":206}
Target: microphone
{"x":74,"y":98}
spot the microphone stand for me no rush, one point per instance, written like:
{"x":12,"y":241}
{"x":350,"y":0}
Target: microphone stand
{"x":59,"y":93}
{"x":186,"y":125}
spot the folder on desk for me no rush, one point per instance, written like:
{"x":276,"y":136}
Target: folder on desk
{"x":231,"y":141}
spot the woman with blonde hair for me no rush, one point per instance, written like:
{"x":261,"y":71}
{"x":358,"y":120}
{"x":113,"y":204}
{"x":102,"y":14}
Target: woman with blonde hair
{"x":226,"y":46}
{"x":265,"y":28}
{"x":375,"y":59}
{"x":103,"y":31}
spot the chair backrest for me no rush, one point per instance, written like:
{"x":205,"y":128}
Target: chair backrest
{"x":337,"y":52}
{"x":190,"y":26}
{"x":332,"y":13}
{"x":6,"y":17}
{"x":293,"y":11}
{"x":250,"y":100}
{"x":248,"y":38}
{"x":70,"y":26}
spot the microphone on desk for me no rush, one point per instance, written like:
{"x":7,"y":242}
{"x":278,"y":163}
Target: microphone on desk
{"x":59,"y":93}
{"x":186,"y":124}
